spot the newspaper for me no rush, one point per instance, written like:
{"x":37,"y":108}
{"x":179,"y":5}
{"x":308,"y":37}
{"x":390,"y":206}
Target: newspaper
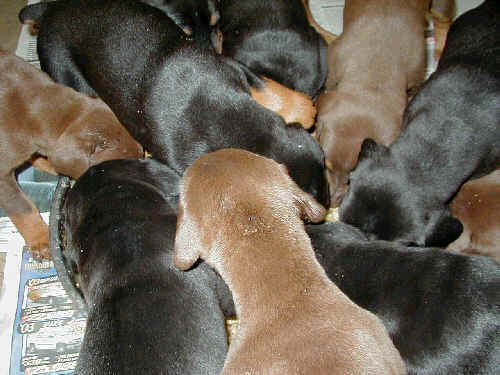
{"x":26,"y":46}
{"x":45,"y":329}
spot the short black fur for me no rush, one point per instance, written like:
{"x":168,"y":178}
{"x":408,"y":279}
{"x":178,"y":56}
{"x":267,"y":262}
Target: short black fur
{"x":441,"y":309}
{"x":274,"y":39}
{"x":180,"y":100}
{"x":451,"y":135}
{"x":144,"y":315}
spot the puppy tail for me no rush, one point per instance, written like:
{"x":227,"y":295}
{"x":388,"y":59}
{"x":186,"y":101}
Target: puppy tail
{"x":32,"y":15}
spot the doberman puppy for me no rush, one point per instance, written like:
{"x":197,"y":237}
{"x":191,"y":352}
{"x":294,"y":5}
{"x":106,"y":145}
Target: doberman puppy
{"x":197,"y":18}
{"x":377,"y":58}
{"x":477,"y":206}
{"x":292,"y":319}
{"x":61,"y":130}
{"x":274,"y":39}
{"x":442,"y":310}
{"x":179,"y":99}
{"x":452,"y":135}
{"x":144,"y":315}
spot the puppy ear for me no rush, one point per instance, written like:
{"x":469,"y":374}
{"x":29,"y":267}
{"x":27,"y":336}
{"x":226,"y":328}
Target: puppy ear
{"x":187,"y":244}
{"x":443,"y":231}
{"x":310,"y":209}
{"x":370,"y":148}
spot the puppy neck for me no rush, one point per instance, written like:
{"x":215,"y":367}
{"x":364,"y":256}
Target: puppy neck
{"x":269,"y":272}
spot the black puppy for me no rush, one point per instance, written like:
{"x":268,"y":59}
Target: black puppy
{"x":195,"y":17}
{"x":144,"y":316}
{"x":441,"y":309}
{"x":179,"y":100}
{"x":275,"y":39}
{"x":452,"y":134}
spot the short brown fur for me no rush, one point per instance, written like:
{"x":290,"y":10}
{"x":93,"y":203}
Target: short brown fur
{"x":59,"y":129}
{"x":244,"y":215}
{"x":377,"y":58}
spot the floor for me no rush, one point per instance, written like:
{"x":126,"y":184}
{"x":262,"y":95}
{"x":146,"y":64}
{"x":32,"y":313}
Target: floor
{"x":9,"y":34}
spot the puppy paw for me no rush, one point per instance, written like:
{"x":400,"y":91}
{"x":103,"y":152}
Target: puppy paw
{"x":39,"y":251}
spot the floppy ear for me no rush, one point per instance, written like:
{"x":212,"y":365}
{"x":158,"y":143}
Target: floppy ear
{"x":310,"y":210}
{"x":187,"y":244}
{"x":443,"y":231}
{"x":370,"y":148}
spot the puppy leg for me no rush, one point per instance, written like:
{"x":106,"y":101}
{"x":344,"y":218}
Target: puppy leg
{"x":42,"y":164}
{"x":25,"y":216}
{"x":326,"y":35}
{"x":442,"y":12}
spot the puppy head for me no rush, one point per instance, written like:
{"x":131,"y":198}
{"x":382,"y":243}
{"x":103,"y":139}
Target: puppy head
{"x":95,"y":137}
{"x":233,"y":193}
{"x":293,"y":56}
{"x":197,"y":18}
{"x":383,"y":204}
{"x":305,"y":160}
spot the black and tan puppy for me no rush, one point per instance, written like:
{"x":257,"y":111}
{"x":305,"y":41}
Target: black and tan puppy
{"x":442,"y":310}
{"x":144,"y":315}
{"x":197,"y":18}
{"x":452,"y":135}
{"x":274,"y":39}
{"x":179,"y":99}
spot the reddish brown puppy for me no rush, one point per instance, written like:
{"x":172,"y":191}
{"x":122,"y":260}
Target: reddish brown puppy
{"x":377,"y":58}
{"x":477,"y":206}
{"x":39,"y":118}
{"x":243,"y":214}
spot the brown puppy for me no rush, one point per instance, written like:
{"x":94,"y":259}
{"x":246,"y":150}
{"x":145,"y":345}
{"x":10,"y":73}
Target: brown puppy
{"x":377,"y":58}
{"x":41,"y":118}
{"x":477,"y":206}
{"x":293,"y":106}
{"x":243,"y":214}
